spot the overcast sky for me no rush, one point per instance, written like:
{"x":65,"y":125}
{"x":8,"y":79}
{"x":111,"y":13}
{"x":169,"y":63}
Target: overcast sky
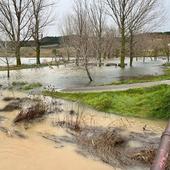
{"x":65,"y":6}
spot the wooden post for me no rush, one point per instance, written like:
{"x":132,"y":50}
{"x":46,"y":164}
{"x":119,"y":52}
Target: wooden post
{"x":163,"y":153}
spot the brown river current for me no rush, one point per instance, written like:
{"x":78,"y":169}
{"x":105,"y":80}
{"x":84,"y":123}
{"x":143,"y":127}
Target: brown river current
{"x":25,"y":146}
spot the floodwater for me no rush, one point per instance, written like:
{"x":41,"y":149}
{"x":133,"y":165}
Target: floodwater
{"x":36,"y":153}
{"x":70,"y":76}
{"x":29,"y":61}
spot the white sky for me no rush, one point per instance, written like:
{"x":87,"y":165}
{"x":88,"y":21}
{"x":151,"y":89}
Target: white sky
{"x":64,"y":7}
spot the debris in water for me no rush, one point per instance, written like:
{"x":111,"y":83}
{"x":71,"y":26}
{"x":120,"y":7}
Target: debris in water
{"x":35,"y":111}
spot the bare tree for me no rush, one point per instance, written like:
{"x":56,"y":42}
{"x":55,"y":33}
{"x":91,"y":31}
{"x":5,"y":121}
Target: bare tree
{"x":120,"y":10}
{"x":15,"y":22}
{"x":42,"y":17}
{"x":97,"y":15}
{"x":79,"y":27}
{"x":5,"y":60}
{"x":166,"y":47}
{"x":68,"y":36}
{"x":142,"y":15}
{"x":109,"y":43}
{"x":130,"y":16}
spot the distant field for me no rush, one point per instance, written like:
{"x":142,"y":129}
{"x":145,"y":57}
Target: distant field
{"x":46,"y":51}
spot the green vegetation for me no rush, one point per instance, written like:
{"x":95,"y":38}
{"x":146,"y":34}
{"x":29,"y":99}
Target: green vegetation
{"x":31,"y":86}
{"x":143,"y":79}
{"x":26,"y":86}
{"x":153,"y":102}
{"x":19,"y":83}
{"x":166,"y":64}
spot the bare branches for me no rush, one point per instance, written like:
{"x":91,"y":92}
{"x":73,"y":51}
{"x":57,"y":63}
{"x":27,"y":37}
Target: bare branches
{"x":131,"y":16}
{"x":14,"y":22}
{"x":97,"y":16}
{"x":41,"y":19}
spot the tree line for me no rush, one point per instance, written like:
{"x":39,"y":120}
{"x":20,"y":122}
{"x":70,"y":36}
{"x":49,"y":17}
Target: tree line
{"x":95,"y":29}
{"x":22,"y":20}
{"x":96,"y":24}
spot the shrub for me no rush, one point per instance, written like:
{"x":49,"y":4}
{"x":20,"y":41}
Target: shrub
{"x":19,"y":83}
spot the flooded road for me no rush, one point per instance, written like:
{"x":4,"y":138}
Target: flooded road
{"x":71,"y":77}
{"x":29,"y":148}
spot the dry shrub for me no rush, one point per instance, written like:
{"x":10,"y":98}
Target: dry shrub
{"x":146,"y":155}
{"x":36,"y":110}
{"x":75,"y":120}
{"x":106,"y":144}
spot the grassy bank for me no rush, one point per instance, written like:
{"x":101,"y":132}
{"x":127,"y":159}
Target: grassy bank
{"x":151,"y":102}
{"x":143,"y":79}
{"x":166,"y":64}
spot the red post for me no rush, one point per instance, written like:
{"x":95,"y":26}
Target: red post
{"x":163,"y":153}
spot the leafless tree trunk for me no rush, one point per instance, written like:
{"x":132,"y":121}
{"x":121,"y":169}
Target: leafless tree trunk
{"x":78,"y":25}
{"x":97,"y":15}
{"x":15,"y":22}
{"x":41,"y":18}
{"x":131,"y":15}
{"x":166,"y":48}
{"x":5,"y":60}
{"x":141,"y":17}
{"x":68,"y":38}
{"x":131,"y":43}
{"x":120,"y":10}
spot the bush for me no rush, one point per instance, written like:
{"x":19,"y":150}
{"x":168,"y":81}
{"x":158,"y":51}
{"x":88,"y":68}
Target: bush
{"x":19,"y":83}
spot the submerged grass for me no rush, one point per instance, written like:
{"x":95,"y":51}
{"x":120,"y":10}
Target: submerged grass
{"x":153,"y":102}
{"x":26,"y":86}
{"x":32,"y":86}
{"x":166,"y":64}
{"x":143,"y":79}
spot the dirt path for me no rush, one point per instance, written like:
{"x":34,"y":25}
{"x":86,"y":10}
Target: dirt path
{"x":114,"y":87}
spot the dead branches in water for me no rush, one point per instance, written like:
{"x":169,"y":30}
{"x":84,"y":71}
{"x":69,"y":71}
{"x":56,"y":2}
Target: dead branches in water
{"x":35,"y":111}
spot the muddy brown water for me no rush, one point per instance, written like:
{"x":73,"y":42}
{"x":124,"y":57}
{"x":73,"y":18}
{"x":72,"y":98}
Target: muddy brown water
{"x":35,"y":152}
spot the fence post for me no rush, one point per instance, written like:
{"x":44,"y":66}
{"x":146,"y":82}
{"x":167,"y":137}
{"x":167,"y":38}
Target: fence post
{"x":163,"y":153}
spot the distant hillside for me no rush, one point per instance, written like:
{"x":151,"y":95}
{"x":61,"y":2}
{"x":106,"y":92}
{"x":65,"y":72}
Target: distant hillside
{"x":51,"y":40}
{"x":57,"y":41}
{"x":44,"y":41}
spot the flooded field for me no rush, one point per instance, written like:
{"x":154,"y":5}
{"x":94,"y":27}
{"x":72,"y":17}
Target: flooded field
{"x":42,"y":145}
{"x":26,"y":60}
{"x":70,"y":76}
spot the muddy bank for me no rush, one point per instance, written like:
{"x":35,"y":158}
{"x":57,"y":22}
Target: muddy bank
{"x":70,"y":132}
{"x":117,"y":148}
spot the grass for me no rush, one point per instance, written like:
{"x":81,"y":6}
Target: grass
{"x":31,"y":86}
{"x":26,"y":86}
{"x":153,"y":102}
{"x":166,"y":64}
{"x":19,"y":83}
{"x":143,"y":79}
